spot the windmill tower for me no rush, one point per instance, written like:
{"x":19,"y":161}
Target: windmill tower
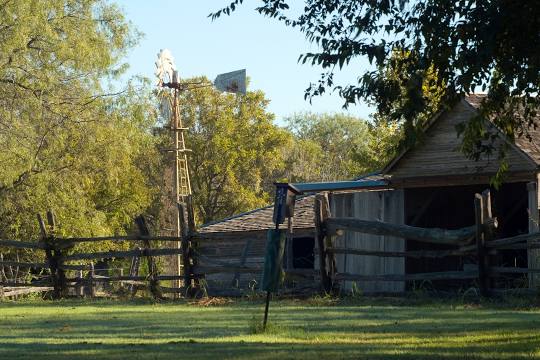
{"x":169,"y":87}
{"x":168,"y":81}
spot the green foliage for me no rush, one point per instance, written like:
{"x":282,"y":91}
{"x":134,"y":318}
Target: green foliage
{"x":325,"y":147}
{"x":330,"y":147}
{"x":67,"y":145}
{"x":236,"y":148}
{"x":468,"y":45}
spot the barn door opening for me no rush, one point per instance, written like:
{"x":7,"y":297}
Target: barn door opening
{"x":303,"y":252}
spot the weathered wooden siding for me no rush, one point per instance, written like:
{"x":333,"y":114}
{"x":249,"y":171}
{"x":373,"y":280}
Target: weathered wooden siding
{"x":370,"y":205}
{"x":230,"y":249}
{"x":439,"y":154}
{"x":533,"y":255}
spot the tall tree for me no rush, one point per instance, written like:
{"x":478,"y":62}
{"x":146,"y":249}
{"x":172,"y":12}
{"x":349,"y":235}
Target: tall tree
{"x":236,"y":148}
{"x":67,"y":145}
{"x":326,"y":147}
{"x":468,"y":44}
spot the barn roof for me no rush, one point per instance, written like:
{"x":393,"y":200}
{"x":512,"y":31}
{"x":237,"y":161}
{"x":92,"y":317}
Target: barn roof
{"x":529,"y":144}
{"x":304,"y":217}
{"x":261,"y":219}
{"x":439,"y":155}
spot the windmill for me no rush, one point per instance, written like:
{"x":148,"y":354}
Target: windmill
{"x":169,"y":88}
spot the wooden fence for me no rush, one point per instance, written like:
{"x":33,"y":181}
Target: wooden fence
{"x":59,"y":256}
{"x":476,"y":241}
{"x":66,"y":278}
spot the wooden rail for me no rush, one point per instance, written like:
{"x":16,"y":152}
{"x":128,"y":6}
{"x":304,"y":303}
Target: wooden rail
{"x":429,"y":235}
{"x":446,"y":275}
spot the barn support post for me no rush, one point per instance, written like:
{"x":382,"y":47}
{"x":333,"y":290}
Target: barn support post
{"x":326,"y":259}
{"x":533,"y":255}
{"x":482,"y":212}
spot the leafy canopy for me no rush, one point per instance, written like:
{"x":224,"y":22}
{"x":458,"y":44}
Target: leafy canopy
{"x":467,"y":44}
{"x":67,"y":145}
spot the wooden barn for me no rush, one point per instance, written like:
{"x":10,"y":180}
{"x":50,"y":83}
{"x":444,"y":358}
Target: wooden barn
{"x":432,"y":185}
{"x":240,"y":241}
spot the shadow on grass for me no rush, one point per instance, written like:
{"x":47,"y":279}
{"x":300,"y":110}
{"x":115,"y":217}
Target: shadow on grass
{"x":119,"y":330}
{"x":523,"y":349}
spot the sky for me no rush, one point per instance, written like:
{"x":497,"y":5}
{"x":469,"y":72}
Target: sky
{"x":267,"y":49}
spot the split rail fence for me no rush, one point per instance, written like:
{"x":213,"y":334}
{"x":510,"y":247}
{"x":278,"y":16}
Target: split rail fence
{"x":64,"y":278}
{"x":476,"y":241}
{"x":60,"y":275}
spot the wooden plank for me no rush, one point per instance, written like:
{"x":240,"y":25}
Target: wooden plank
{"x":429,"y":235}
{"x":44,"y":282}
{"x":479,"y":213}
{"x":496,"y":270}
{"x":24,"y":264}
{"x":26,"y":290}
{"x":326,"y":281}
{"x":533,"y":255}
{"x":513,"y":240}
{"x":22,"y":244}
{"x":202,"y":269}
{"x":393,"y":212}
{"x":122,"y":254}
{"x":397,"y":254}
{"x":243,"y":257}
{"x":447,"y":275}
{"x":140,"y":221}
{"x":120,"y":238}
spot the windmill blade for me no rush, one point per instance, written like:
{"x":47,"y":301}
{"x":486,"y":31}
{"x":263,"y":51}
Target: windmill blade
{"x":234,"y":82}
{"x":165,"y":67}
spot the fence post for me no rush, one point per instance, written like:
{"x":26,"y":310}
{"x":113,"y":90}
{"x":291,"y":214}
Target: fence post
{"x":51,"y":259}
{"x":321,"y":214}
{"x":134,"y":271}
{"x":480,"y":212}
{"x":121,"y":276}
{"x":187,"y":267}
{"x":152,"y":267}
{"x":61,"y":281}
{"x":79,"y":289}
{"x":91,"y":284}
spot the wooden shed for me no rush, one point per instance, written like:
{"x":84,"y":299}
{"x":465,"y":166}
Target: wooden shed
{"x":240,"y":241}
{"x":431,"y":185}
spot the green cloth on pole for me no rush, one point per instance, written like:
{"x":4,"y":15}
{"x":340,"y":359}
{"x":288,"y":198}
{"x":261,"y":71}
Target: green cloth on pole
{"x":273,"y":260}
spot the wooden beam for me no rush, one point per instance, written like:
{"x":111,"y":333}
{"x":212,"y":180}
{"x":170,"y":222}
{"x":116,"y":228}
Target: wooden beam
{"x":121,"y":254}
{"x":429,"y":235}
{"x":121,"y":238}
{"x":22,"y":244}
{"x":321,"y":214}
{"x":409,"y":254}
{"x":513,"y":240}
{"x":533,"y":255}
{"x":447,"y":275}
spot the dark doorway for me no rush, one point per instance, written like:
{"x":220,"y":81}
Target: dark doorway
{"x":303,"y":255}
{"x":452,"y":207}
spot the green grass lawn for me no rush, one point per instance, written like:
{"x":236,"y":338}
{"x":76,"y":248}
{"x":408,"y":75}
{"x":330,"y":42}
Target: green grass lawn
{"x":374,"y":329}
